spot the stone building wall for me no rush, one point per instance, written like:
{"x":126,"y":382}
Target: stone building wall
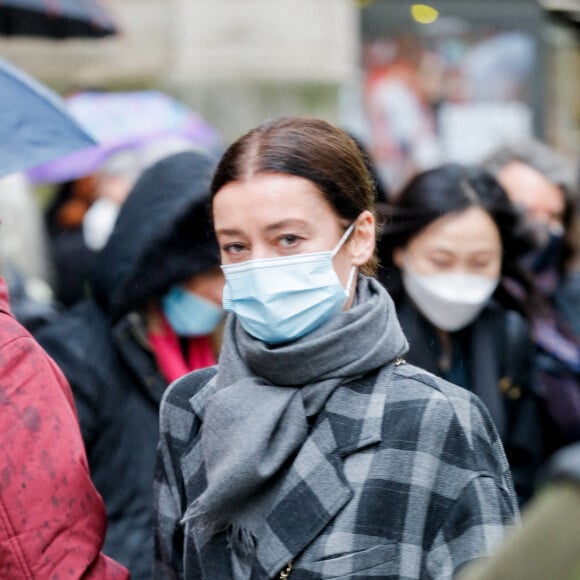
{"x":236,"y":61}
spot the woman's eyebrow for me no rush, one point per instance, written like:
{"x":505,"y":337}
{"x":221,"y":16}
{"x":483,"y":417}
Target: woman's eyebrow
{"x":228,"y":232}
{"x":285,"y":224}
{"x":269,"y":228}
{"x":442,"y":248}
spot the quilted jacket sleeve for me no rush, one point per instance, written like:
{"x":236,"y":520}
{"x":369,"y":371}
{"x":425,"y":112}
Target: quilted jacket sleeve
{"x":52,"y":520}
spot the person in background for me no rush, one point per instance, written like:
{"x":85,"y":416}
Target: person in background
{"x":53,"y":521}
{"x":116,"y":178}
{"x":543,"y":184}
{"x":313,"y":450}
{"x":154,"y":314}
{"x":83,"y":212}
{"x":448,"y":239}
{"x":72,"y":259}
{"x":25,"y":262}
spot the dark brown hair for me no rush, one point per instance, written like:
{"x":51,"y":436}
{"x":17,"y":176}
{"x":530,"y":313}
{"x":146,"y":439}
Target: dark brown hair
{"x":309,"y":148}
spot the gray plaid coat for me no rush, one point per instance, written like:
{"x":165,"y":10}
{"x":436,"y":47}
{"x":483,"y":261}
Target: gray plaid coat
{"x":402,"y":477}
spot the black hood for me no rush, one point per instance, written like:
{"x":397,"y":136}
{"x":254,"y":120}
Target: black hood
{"x":163,"y":235}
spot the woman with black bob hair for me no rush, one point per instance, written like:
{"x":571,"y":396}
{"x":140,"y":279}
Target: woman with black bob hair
{"x":450,"y":240}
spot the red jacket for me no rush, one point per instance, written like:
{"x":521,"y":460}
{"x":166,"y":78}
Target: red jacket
{"x":52,"y":520}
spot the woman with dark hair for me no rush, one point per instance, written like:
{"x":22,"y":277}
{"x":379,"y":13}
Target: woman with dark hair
{"x":449,"y":239}
{"x":312,"y":450}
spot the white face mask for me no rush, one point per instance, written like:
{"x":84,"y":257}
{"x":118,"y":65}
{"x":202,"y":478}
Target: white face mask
{"x":99,"y":222}
{"x":449,"y":301}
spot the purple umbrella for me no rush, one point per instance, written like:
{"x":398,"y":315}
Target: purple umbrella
{"x":122,"y":120}
{"x":56,"y":19}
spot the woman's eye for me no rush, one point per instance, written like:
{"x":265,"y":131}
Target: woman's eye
{"x":441,"y":263}
{"x":233,"y":248}
{"x":483,"y":261}
{"x":480,"y":265}
{"x":288,"y":240}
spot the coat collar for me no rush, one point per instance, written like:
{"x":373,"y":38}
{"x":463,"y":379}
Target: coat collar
{"x":130,"y":339}
{"x":316,"y":488}
{"x":486,"y":344}
{"x":312,"y":493}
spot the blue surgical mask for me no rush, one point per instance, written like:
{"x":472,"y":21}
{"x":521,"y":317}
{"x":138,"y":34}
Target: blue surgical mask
{"x":279,"y":300}
{"x":190,"y":314}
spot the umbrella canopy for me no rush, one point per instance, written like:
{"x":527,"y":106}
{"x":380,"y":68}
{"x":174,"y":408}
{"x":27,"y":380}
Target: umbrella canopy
{"x":56,"y":19}
{"x":35,"y":126}
{"x":121,"y":120}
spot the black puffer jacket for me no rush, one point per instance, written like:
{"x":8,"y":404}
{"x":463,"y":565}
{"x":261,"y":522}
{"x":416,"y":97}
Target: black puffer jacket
{"x":162,"y":236}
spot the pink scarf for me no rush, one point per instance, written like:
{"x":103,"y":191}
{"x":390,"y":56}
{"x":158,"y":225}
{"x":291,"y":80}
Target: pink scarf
{"x":169,"y":356}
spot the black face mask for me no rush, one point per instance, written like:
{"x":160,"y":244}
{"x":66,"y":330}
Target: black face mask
{"x":546,"y":256}
{"x":549,"y":243}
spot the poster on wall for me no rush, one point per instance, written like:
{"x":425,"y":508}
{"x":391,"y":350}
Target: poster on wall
{"x":453,"y":95}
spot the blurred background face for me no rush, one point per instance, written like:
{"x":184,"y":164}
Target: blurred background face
{"x":208,"y":285}
{"x":272,"y":215}
{"x":543,"y":201}
{"x":466,"y":242}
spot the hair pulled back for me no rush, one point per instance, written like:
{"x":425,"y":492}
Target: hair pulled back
{"x":309,"y":148}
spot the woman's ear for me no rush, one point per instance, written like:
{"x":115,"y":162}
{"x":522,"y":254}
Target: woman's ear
{"x":362,"y":242}
{"x":398,"y":257}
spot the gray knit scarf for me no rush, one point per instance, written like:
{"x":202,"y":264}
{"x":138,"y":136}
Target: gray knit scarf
{"x":266,"y":396}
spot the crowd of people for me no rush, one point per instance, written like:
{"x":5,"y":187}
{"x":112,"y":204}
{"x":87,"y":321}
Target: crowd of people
{"x":269,"y":365}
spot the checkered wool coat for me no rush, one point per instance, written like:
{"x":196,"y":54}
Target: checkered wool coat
{"x":402,"y":477}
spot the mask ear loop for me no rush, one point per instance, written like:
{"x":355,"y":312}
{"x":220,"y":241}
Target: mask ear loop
{"x":351,"y":278}
{"x":343,"y":239}
{"x":353,"y":270}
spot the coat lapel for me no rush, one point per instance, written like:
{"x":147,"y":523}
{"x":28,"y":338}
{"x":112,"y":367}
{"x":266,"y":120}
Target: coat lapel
{"x":315,"y":488}
{"x":423,"y":341}
{"x":139,"y":360}
{"x":486,"y":355}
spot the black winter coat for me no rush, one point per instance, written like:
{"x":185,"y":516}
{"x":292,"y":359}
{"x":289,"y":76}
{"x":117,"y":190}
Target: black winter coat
{"x":117,"y":389}
{"x":498,"y":361}
{"x":162,"y":237}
